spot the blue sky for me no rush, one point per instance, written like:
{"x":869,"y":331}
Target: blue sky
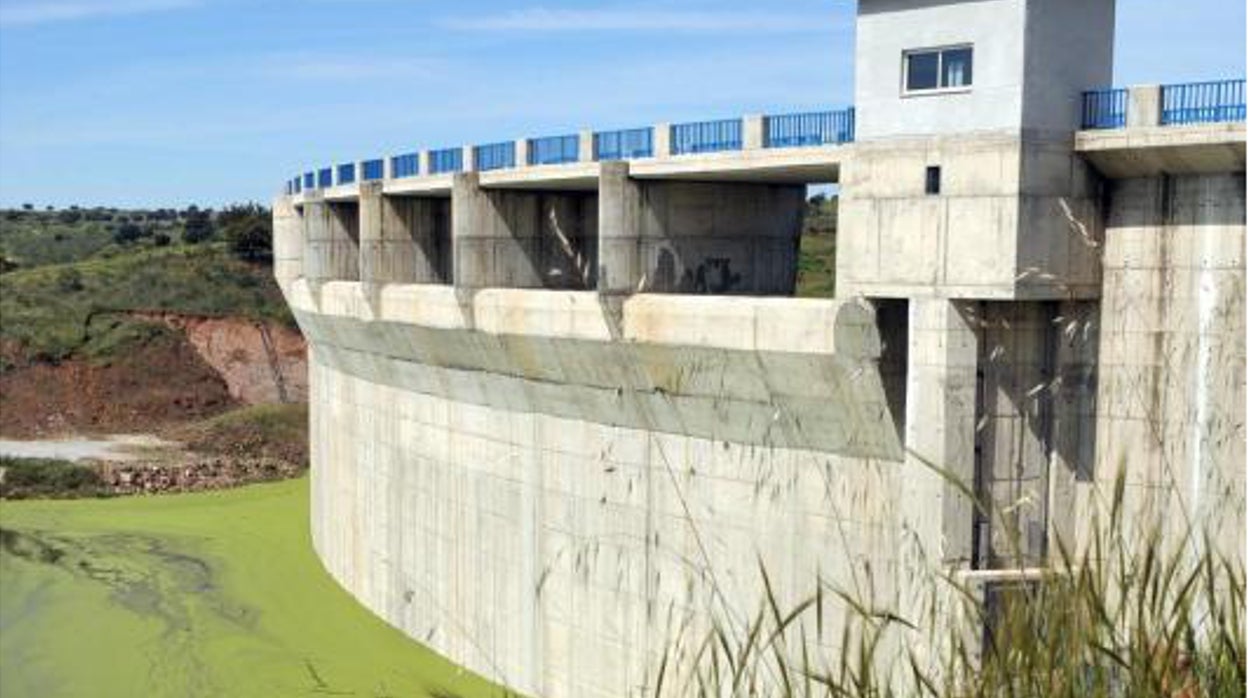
{"x":172,"y":102}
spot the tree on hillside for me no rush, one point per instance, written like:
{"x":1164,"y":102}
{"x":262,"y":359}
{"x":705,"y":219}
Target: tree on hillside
{"x":249,"y":231}
{"x":198,"y":226}
{"x":127,"y":233}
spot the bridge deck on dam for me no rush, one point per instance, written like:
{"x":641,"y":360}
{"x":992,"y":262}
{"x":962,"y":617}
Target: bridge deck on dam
{"x":1135,"y":151}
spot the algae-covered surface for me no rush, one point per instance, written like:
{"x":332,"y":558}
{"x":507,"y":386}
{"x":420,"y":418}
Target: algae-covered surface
{"x":215,"y":594}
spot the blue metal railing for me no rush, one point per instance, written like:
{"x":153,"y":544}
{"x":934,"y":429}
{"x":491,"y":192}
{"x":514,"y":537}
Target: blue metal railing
{"x":554,"y":150}
{"x":706,"y":136}
{"x":346,"y":173}
{"x":495,"y":156}
{"x":405,"y":165}
{"x":309,"y":180}
{"x":625,"y":144}
{"x":373,"y":170}
{"x":324,"y":178}
{"x":446,"y":160}
{"x":809,"y":129}
{"x":1105,"y":108}
{"x":1202,"y":102}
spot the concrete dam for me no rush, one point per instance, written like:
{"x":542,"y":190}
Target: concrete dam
{"x":565,"y":409}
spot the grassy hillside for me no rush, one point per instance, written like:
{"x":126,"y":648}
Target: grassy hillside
{"x":68,"y":273}
{"x":37,"y":238}
{"x":45,"y":309}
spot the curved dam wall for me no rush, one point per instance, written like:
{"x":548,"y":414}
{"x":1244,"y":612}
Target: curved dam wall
{"x":529,"y":458}
{"x":557,"y":495}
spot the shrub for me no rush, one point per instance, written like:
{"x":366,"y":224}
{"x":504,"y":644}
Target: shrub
{"x":45,"y":477}
{"x":198,"y":227}
{"x":127,"y":233}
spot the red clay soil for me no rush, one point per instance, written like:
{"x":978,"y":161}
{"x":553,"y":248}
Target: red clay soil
{"x":161,"y":383}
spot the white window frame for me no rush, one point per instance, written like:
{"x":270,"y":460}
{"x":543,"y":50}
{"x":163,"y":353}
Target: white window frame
{"x":940,"y":70}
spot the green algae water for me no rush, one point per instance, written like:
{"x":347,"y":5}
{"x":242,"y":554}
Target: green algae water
{"x":215,"y":594}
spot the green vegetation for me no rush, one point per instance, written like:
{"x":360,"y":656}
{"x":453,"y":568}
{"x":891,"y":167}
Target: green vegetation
{"x":1136,"y":613}
{"x":30,"y":238}
{"x":277,"y":431}
{"x":213,"y":594}
{"x":821,"y":215}
{"x":64,"y":270}
{"x":45,"y":477}
{"x":816,"y":259}
{"x":816,"y":266}
{"x":53,"y":311}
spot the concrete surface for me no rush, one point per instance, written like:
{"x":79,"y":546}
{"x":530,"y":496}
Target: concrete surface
{"x":562,"y":452}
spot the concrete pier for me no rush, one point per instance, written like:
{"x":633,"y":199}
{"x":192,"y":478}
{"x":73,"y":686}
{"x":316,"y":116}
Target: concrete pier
{"x":403,"y":239}
{"x":331,"y":240}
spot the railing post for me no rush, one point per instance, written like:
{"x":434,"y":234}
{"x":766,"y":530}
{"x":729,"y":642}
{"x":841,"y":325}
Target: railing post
{"x":752,"y":132}
{"x":1144,"y":106}
{"x":522,"y":152}
{"x":662,"y":140}
{"x":469,"y":162}
{"x":585,"y":147}
{"x":423,"y":157}
{"x":387,"y":167}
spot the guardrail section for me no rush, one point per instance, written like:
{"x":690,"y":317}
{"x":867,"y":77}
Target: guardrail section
{"x":446,"y":160}
{"x":809,"y":129}
{"x":373,"y":170}
{"x":626,"y":144}
{"x":1105,"y":108}
{"x":406,"y":165}
{"x":346,"y":173}
{"x":554,"y":150}
{"x":706,"y":136}
{"x":495,"y":156}
{"x":1202,"y":102}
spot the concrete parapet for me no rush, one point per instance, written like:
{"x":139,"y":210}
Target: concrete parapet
{"x":331,"y":240}
{"x":522,"y":152}
{"x":662,"y":140}
{"x":1144,"y":106}
{"x":505,"y":344}
{"x":753,"y":132}
{"x":585,"y":146}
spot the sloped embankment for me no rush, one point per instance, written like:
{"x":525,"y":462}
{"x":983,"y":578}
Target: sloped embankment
{"x":142,"y":341}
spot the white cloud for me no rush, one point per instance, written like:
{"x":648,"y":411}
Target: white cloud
{"x":539,"y":19}
{"x":28,"y":12}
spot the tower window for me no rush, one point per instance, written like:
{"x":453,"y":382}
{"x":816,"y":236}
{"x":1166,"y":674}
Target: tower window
{"x":931,"y":70}
{"x":933,"y":180}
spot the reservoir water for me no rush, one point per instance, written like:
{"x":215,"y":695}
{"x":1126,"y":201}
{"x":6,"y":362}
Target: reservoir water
{"x":211,"y":594}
